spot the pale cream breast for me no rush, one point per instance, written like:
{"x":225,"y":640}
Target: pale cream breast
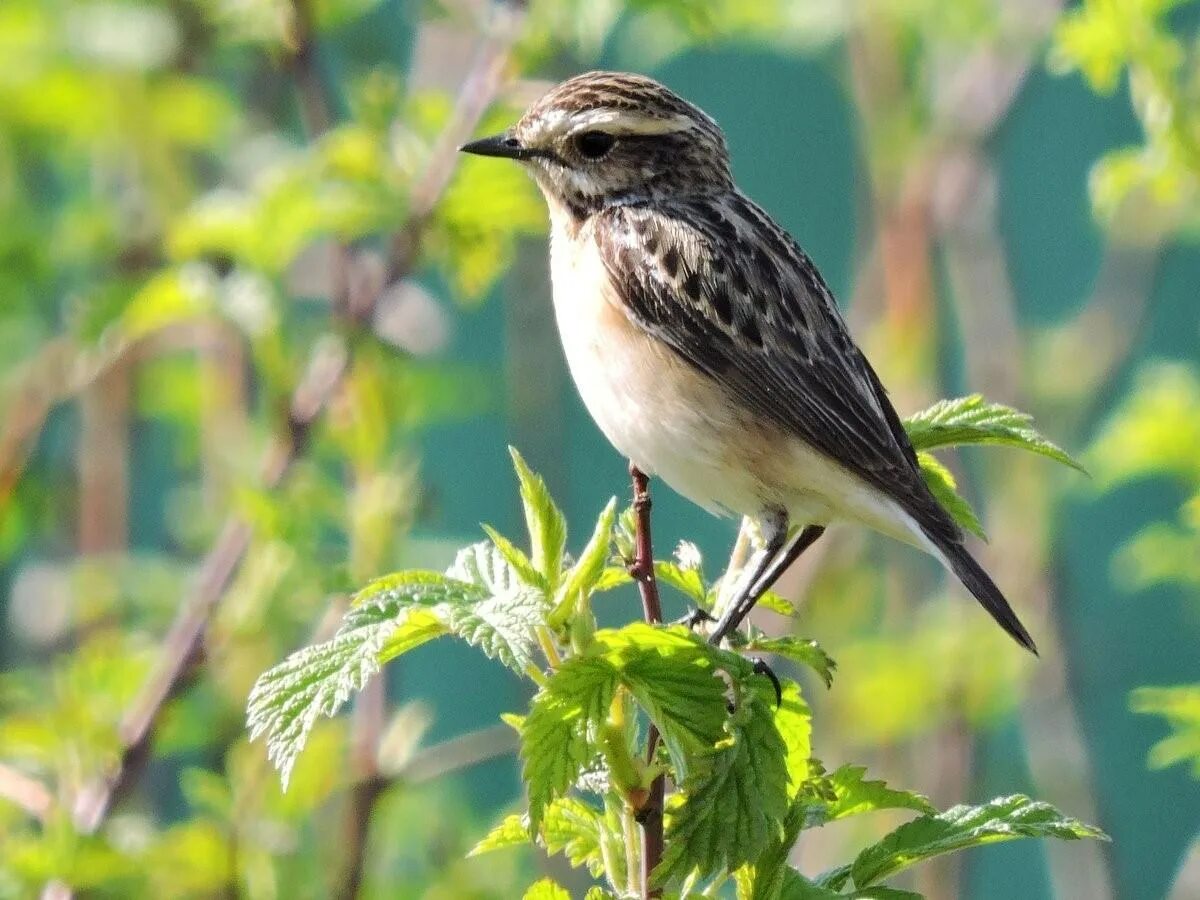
{"x":681,"y":425}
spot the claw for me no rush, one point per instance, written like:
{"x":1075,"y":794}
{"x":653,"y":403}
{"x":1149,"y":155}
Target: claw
{"x":761,"y":668}
{"x":694,"y":617}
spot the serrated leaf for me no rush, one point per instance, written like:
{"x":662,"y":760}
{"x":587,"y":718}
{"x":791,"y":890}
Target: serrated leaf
{"x":513,"y":831}
{"x":504,"y":627}
{"x":777,"y":604}
{"x":854,"y":795}
{"x":503,"y":622}
{"x":1003,"y":819}
{"x":572,"y":828}
{"x":554,"y":736}
{"x":767,"y":877}
{"x":516,"y":558}
{"x":546,"y":889}
{"x":547,"y":527}
{"x":586,"y":571}
{"x":390,"y":616}
{"x":973,"y":420}
{"x":942,"y":485}
{"x":612,"y":577}
{"x":672,"y":674}
{"x":595,"y":892}
{"x":796,"y":887}
{"x":801,"y":650}
{"x":725,"y":819}
{"x":688,"y":582}
{"x":484,"y":565}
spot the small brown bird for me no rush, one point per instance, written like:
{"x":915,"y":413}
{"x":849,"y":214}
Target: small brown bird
{"x":704,"y":341}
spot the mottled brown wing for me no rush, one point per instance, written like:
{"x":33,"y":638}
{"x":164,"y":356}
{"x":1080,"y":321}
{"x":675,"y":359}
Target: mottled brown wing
{"x":719,"y":282}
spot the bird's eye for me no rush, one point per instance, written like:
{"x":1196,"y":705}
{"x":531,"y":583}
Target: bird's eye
{"x":594,"y":144}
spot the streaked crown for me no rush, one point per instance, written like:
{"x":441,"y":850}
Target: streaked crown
{"x":611,"y":137}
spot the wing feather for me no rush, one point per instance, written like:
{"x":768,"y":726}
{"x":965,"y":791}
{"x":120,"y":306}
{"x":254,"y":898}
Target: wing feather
{"x":718,"y":281}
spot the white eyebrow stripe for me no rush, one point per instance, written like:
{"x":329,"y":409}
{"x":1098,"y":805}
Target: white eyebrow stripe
{"x":622,"y":122}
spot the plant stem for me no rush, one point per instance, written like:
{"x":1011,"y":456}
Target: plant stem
{"x":650,"y":816}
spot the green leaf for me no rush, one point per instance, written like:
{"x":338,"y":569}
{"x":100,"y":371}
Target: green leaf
{"x":595,"y":892}
{"x":503,"y":624}
{"x":855,"y":796}
{"x":973,"y":420}
{"x":390,"y":616}
{"x":1003,"y":819}
{"x":672,"y":674}
{"x":572,"y":828}
{"x":547,"y":527}
{"x":794,"y":886}
{"x":685,"y":573}
{"x":793,"y":720}
{"x":513,"y":831}
{"x":516,"y":558}
{"x":554,"y":736}
{"x":687,"y":581}
{"x":611,"y":577}
{"x":547,"y":889}
{"x":582,"y":576}
{"x":800,"y":650}
{"x":777,"y":604}
{"x":941,"y":483}
{"x":726,"y":817}
{"x":1180,"y":706}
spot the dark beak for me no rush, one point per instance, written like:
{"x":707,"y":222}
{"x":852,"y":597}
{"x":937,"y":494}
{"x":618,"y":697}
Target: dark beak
{"x":502,"y":145}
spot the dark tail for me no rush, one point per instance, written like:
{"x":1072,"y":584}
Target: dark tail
{"x":979,"y":583}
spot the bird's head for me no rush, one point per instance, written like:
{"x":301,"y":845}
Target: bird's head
{"x":610,"y":137}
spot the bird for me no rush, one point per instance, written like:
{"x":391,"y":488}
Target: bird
{"x":704,"y":342}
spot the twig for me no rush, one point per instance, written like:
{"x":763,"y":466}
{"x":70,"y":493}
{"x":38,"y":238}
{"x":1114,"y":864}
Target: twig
{"x":26,"y":792}
{"x":650,"y":816}
{"x":182,"y":646}
{"x":458,"y":753}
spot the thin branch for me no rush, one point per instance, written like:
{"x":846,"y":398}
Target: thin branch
{"x":650,"y":816}
{"x":26,"y":792}
{"x":458,"y":753}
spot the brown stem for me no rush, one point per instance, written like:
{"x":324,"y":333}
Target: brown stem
{"x":650,"y":816}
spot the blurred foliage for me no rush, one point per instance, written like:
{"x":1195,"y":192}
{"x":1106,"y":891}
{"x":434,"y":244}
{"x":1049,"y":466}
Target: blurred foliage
{"x":1143,"y":191}
{"x":1154,"y":434}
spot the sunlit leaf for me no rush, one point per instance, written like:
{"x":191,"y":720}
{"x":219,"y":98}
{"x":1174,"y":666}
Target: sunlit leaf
{"x":1003,"y":819}
{"x":391,"y":616}
{"x":545,"y":522}
{"x":973,"y":420}
{"x":941,"y":483}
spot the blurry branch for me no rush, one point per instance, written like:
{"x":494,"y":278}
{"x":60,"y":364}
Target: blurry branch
{"x":58,"y":371}
{"x":330,"y":363}
{"x":182,"y":646}
{"x":303,"y":67}
{"x":458,"y":753}
{"x":26,"y":792}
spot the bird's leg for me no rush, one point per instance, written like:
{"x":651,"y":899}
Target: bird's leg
{"x":775,"y":532}
{"x":765,"y":575}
